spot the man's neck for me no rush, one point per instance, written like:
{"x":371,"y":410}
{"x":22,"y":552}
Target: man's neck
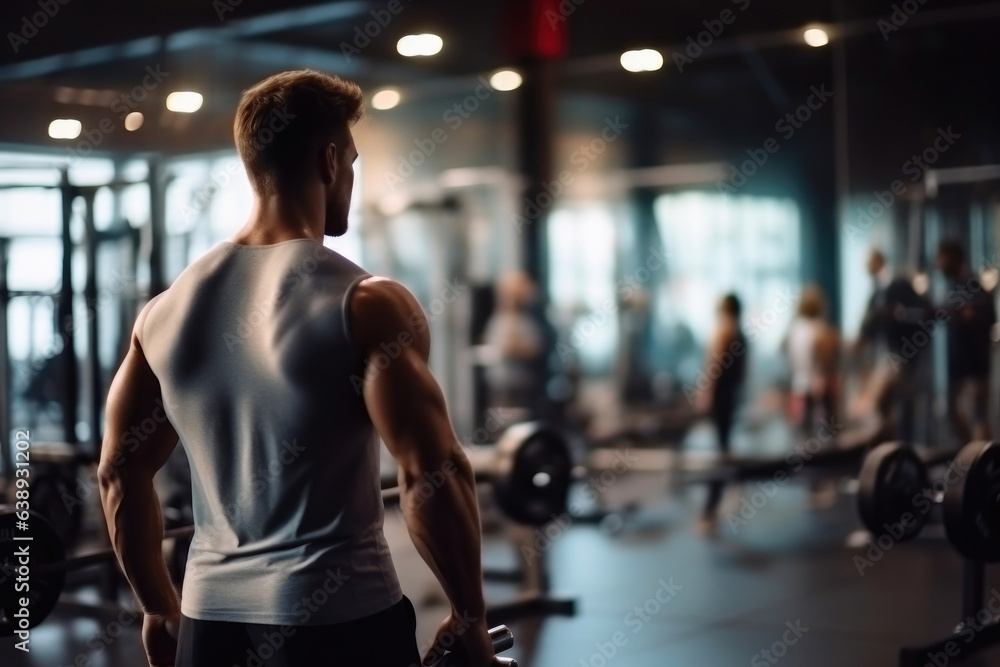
{"x":279,"y":218}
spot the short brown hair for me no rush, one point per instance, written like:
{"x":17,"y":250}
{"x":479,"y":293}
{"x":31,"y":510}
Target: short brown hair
{"x":282,"y":117}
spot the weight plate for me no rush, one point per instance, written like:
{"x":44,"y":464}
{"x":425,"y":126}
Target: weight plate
{"x":891,"y":478}
{"x":42,"y":590}
{"x":532,"y":473}
{"x":972,"y":505}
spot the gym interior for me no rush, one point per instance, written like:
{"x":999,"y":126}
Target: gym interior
{"x":710,"y":289}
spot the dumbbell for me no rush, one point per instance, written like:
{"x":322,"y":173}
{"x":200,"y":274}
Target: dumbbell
{"x":895,"y":496}
{"x":503,"y":640}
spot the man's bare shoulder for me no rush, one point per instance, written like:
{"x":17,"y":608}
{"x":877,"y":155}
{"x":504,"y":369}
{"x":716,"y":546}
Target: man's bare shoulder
{"x":144,"y":313}
{"x":381,"y":309}
{"x":376,"y":294}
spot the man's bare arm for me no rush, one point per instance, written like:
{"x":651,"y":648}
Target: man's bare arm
{"x":129,"y":460}
{"x":409,"y":411}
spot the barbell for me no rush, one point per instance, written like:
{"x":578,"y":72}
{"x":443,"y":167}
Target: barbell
{"x":896,"y":495}
{"x":530,"y":474}
{"x":836,"y":450}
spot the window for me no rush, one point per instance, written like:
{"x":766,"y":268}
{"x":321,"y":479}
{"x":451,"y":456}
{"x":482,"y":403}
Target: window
{"x":581,"y":260}
{"x":718,"y":244}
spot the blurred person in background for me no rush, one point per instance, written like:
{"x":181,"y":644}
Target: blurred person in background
{"x":812,"y":346}
{"x":719,"y":397}
{"x":892,"y":317}
{"x":969,"y":313}
{"x":517,"y":343}
{"x":813,"y":349}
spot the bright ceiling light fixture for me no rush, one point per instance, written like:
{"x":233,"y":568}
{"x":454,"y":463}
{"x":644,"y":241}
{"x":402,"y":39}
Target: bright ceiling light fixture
{"x":65,"y":128}
{"x":134,"y":121}
{"x":642,"y":60}
{"x":506,"y":79}
{"x":385,"y":99}
{"x":424,"y":44}
{"x":184,"y":101}
{"x":816,"y":37}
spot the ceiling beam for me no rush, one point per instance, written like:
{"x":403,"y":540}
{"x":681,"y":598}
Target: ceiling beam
{"x":188,"y":39}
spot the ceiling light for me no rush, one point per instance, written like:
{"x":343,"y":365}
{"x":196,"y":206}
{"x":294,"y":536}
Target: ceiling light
{"x":385,"y":99}
{"x":65,"y":128}
{"x":133,"y":121}
{"x":184,"y":101}
{"x":643,"y":60}
{"x":816,"y":37}
{"x":425,"y":44}
{"x":505,"y":79}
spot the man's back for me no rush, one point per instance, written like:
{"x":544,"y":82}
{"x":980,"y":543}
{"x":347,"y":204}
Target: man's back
{"x":261,"y":380}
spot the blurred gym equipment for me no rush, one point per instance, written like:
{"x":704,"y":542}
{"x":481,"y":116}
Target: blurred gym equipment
{"x":895,"y":498}
{"x":530,"y":477}
{"x":841,"y":452}
{"x":894,"y":489}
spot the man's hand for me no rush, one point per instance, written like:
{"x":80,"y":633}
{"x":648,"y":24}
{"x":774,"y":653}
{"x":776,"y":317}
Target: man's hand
{"x":470,"y":644}
{"x":159,"y":636}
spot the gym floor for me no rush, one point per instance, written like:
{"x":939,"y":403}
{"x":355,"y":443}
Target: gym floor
{"x":733,"y":596}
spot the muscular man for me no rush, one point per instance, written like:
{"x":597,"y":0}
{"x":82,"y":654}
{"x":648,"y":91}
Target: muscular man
{"x":277,"y":363}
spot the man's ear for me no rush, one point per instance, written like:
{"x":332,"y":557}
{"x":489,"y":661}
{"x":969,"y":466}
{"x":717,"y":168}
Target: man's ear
{"x":328,"y":163}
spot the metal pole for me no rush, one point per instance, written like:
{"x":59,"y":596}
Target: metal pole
{"x":842,"y":162}
{"x":5,"y":430}
{"x":93,"y":347}
{"x":67,"y":362}
{"x":535,"y":139}
{"x":157,"y":227}
{"x":535,"y":130}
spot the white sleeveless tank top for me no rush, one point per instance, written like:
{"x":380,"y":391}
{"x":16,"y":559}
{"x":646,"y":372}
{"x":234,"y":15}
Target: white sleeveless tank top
{"x":261,"y":380}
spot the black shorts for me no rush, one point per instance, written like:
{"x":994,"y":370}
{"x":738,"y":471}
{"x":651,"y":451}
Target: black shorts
{"x":385,"y":639}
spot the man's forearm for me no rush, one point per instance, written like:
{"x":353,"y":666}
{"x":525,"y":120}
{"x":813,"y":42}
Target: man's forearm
{"x":136,"y":528}
{"x":445,"y":529}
